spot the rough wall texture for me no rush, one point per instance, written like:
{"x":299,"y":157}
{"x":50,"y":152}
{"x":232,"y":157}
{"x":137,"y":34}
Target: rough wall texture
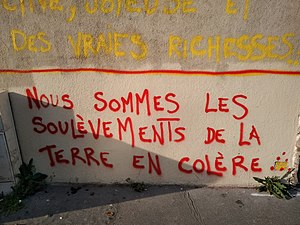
{"x":163,"y":93}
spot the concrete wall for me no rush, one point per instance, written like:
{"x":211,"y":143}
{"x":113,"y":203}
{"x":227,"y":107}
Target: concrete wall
{"x":194,"y":92}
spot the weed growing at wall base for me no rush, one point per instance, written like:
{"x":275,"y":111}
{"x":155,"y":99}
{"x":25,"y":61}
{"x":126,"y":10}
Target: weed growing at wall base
{"x":276,"y":186}
{"x":138,"y":187}
{"x":29,"y":182}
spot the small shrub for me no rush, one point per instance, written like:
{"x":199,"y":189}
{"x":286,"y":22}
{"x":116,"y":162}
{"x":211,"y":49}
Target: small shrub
{"x":139,"y":187}
{"x":29,"y":182}
{"x":276,"y":186}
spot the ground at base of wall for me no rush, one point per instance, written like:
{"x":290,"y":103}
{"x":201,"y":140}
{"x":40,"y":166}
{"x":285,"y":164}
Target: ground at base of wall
{"x":120,"y":204}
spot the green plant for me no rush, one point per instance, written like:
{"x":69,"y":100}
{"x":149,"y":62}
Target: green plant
{"x":139,"y":187}
{"x":10,"y":204}
{"x":276,"y":186}
{"x":28,"y":183}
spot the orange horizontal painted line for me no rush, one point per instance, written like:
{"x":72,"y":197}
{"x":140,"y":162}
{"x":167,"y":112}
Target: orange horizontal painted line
{"x":134,"y":72}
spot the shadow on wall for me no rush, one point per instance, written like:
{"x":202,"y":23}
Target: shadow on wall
{"x":69,"y":154}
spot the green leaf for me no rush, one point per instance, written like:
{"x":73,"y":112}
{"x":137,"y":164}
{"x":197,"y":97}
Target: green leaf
{"x":262,"y":189}
{"x":280,"y":185}
{"x":30,"y":162}
{"x":39,"y":177}
{"x":287,"y":173}
{"x":277,"y":192}
{"x":259,"y":180}
{"x":288,"y":195}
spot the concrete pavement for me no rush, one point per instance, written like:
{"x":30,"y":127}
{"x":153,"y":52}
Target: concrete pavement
{"x":165,"y":205}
